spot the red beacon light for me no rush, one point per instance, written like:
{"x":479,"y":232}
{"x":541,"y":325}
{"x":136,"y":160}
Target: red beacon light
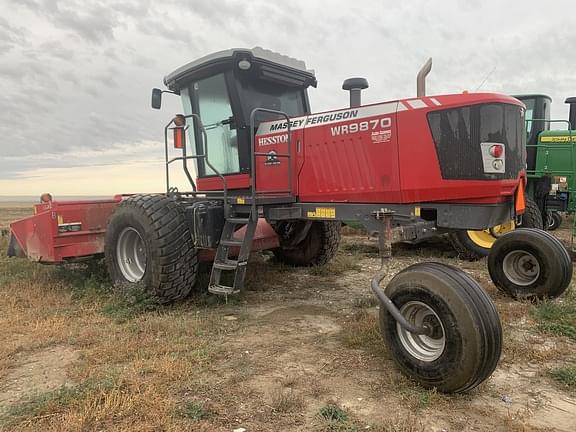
{"x":497,"y":150}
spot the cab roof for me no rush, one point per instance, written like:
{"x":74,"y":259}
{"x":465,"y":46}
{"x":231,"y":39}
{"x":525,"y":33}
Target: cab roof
{"x":264,"y":63}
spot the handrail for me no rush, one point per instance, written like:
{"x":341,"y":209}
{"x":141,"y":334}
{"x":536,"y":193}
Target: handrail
{"x":185,"y":158}
{"x":253,"y":152}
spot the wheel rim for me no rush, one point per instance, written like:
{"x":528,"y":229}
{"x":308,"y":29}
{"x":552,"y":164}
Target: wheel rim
{"x":131,"y":254}
{"x":521,"y":267}
{"x":486,"y":238}
{"x":551,"y":220}
{"x":426,"y":348}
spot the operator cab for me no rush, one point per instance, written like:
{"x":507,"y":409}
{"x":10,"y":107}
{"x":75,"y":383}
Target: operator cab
{"x":224,"y":88}
{"x":537,"y":108}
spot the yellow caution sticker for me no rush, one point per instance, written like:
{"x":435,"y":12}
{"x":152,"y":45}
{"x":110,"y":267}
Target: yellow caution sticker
{"x":417,"y":211}
{"x":240,"y":200}
{"x":322,"y":213}
{"x":558,"y":138}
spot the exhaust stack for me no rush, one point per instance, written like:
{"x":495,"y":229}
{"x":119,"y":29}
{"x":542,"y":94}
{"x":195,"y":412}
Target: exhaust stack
{"x":572,"y":116}
{"x":421,"y":78}
{"x":355,"y":87}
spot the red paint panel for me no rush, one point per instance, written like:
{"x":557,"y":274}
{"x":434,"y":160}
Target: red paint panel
{"x":351,"y":167}
{"x":420,"y":176}
{"x":235,"y":181}
{"x":272,"y":171}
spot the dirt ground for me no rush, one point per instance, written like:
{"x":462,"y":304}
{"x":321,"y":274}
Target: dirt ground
{"x":77,"y":355}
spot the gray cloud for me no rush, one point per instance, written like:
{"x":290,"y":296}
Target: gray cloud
{"x":75,"y":76}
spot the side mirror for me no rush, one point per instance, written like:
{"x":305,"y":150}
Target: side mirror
{"x":156,"y":98}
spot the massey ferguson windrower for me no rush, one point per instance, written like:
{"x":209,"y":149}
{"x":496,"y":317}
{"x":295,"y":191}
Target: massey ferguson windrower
{"x":272,"y":175}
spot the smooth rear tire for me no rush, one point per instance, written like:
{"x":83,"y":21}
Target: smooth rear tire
{"x":148,"y":242}
{"x":466,"y":342}
{"x":530,"y":264}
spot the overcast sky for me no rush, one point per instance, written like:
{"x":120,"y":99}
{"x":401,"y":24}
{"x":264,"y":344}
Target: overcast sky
{"x":75,"y":75}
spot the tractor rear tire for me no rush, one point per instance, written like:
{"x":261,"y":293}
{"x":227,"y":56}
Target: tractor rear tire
{"x":530,"y":264}
{"x":318,"y":247}
{"x":466,"y":341}
{"x":474,"y":245}
{"x":553,"y":220}
{"x":148,"y":242}
{"x":532,"y":217}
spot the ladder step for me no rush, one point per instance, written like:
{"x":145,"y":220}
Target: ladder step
{"x":238,"y":220}
{"x":228,"y":265}
{"x":222,"y":290}
{"x":231,"y":242}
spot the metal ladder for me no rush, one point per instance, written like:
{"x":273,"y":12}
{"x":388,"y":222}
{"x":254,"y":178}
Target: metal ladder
{"x":223,"y":262}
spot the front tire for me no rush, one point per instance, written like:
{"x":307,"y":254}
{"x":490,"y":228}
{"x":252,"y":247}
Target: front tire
{"x":148,"y":242}
{"x":530,"y":263}
{"x":466,"y":340}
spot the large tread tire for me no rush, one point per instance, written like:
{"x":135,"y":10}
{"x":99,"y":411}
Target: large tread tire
{"x":470,"y":323}
{"x":171,"y":258}
{"x":465,"y":247}
{"x":471,"y":251}
{"x":318,"y":247}
{"x":524,"y":247}
{"x":532,"y":217}
{"x":553,"y":221}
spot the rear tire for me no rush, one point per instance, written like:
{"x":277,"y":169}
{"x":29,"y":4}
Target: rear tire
{"x":466,"y":343}
{"x":318,"y":247}
{"x":473,"y":245}
{"x":553,"y":220}
{"x":529,"y":264}
{"x":532,"y":217}
{"x":148,"y":242}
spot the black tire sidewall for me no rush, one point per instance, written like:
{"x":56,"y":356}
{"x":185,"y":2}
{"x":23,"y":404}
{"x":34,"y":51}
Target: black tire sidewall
{"x":466,"y":248}
{"x":552,"y":275}
{"x":461,"y":358}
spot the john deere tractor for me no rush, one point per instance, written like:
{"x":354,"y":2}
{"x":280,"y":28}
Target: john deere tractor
{"x":551,"y":176}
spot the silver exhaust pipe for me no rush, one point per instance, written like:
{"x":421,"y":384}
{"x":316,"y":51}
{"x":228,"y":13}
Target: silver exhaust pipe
{"x":421,"y":78}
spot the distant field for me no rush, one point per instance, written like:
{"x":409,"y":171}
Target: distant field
{"x":299,"y":350}
{"x":11,"y":211}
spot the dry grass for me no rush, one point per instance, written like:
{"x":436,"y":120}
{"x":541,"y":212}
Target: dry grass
{"x":185,"y":367}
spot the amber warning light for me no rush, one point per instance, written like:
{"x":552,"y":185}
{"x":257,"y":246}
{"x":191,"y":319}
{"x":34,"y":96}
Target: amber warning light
{"x":179,"y":131}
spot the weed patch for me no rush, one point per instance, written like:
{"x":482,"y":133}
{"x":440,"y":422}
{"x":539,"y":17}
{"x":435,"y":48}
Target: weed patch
{"x":557,"y":317}
{"x":286,"y":400}
{"x":130,"y":301}
{"x":332,"y":418}
{"x":565,"y":376}
{"x":194,"y":411}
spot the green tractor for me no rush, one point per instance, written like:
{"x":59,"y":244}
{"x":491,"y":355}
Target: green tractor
{"x":551,"y":158}
{"x":551,"y":173}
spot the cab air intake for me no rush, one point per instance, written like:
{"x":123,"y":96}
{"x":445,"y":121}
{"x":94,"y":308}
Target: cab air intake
{"x":355,"y":87}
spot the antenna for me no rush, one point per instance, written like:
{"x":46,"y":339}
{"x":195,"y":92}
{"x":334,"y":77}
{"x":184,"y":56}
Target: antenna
{"x":485,"y":79}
